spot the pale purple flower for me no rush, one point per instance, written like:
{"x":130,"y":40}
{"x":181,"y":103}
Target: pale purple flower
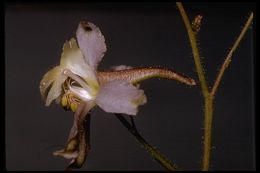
{"x":78,"y":86}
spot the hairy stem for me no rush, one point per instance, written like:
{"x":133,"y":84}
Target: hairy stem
{"x":229,"y":56}
{"x":208,"y":112}
{"x":208,"y":118}
{"x":208,"y":96}
{"x":208,"y":100}
{"x":195,"y":50}
{"x":160,"y":158}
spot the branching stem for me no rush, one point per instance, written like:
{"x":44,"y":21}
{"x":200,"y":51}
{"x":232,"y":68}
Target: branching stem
{"x":208,"y":95}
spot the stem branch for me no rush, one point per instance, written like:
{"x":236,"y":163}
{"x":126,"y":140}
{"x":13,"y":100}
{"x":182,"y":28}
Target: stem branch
{"x":229,"y":56}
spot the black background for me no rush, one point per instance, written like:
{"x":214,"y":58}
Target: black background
{"x":149,"y":34}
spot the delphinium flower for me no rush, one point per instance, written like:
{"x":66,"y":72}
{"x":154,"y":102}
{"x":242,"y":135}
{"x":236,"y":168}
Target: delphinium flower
{"x":78,"y":86}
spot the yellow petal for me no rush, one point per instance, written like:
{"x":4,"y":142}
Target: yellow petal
{"x":72,"y":59}
{"x":56,"y":89}
{"x":48,"y":80}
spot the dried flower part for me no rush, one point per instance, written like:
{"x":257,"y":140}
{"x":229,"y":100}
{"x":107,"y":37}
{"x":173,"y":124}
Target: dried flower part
{"x":78,"y":144}
{"x":196,"y":24}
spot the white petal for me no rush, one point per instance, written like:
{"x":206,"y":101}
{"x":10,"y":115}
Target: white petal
{"x":72,"y":58}
{"x":48,"y":79}
{"x":120,"y":97}
{"x":91,"y":42}
{"x":56,"y":89}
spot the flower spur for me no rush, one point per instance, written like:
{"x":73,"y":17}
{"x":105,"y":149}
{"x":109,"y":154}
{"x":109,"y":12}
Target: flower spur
{"x":78,"y":86}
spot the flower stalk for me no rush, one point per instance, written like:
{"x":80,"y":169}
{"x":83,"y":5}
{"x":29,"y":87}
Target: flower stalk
{"x":159,"y":157}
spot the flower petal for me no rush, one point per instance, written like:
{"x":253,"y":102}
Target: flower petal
{"x":91,"y":42}
{"x":72,"y":59}
{"x":48,"y":80}
{"x":120,"y":97}
{"x":56,"y":89}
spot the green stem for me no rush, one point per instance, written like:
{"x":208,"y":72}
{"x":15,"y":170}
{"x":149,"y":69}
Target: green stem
{"x":195,"y":50}
{"x":209,"y":95}
{"x":160,"y":158}
{"x":208,"y":118}
{"x":208,"y":99}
